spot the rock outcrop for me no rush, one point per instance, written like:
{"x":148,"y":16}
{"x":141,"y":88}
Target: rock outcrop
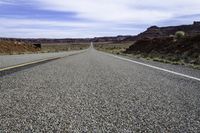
{"x":157,"y":32}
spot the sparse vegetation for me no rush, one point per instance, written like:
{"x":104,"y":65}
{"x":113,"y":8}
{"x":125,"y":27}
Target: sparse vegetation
{"x":113,"y":47}
{"x":56,"y":47}
{"x":185,"y":51}
{"x":13,"y":47}
{"x":179,"y":35}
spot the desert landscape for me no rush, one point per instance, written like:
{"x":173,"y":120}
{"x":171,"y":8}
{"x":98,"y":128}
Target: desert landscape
{"x":100,"y":66}
{"x":179,"y":45}
{"x":174,"y":44}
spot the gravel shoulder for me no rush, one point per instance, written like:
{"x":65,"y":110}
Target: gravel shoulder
{"x":176,"y":68}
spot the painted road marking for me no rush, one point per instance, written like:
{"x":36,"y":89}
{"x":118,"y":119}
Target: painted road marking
{"x":155,"y":67}
{"x":38,"y":61}
{"x":26,"y":64}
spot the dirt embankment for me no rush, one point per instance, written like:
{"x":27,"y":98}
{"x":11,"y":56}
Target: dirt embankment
{"x":13,"y":47}
{"x":182,"y":51}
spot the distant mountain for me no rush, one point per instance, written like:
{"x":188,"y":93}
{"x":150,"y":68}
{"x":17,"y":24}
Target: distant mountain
{"x":33,"y":41}
{"x":156,"y":32}
{"x":152,"y":32}
{"x":75,"y":40}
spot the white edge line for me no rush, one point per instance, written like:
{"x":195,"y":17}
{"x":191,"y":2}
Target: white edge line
{"x":25,"y":64}
{"x":34,"y":62}
{"x":154,"y":67}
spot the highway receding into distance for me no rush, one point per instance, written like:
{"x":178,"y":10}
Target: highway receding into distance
{"x":92,"y":91}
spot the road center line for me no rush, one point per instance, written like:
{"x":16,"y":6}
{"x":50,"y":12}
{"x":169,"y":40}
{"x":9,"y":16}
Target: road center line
{"x":155,"y":67}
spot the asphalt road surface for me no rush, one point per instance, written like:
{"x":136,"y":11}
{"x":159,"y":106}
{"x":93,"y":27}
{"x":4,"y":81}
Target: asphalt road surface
{"x":10,"y":60}
{"x":96,"y":92}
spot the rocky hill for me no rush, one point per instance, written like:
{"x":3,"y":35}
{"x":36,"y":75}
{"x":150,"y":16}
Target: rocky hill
{"x":152,"y":32}
{"x":156,"y":32}
{"x":157,"y":43}
{"x":167,"y":49}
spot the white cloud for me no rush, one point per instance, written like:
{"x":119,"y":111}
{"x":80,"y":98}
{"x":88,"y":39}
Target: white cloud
{"x":124,"y":10}
{"x":105,"y":17}
{"x":10,"y":2}
{"x":11,"y":22}
{"x":29,"y":28}
{"x":5,"y":2}
{"x":56,"y":33}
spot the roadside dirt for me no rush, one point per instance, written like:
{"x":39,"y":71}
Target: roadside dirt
{"x":12,"y":47}
{"x":185,"y":50}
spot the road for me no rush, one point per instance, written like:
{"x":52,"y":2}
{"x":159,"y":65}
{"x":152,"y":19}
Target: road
{"x":11,"y":60}
{"x":96,"y":92}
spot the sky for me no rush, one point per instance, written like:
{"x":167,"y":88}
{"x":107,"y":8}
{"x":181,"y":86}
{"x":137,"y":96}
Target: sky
{"x":91,"y":18}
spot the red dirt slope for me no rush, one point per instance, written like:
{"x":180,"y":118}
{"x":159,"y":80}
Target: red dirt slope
{"x":13,"y":47}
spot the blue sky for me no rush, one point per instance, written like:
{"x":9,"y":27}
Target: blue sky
{"x":91,"y":18}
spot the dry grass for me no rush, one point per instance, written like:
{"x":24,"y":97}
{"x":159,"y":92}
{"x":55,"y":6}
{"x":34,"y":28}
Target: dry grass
{"x":12,"y":47}
{"x":56,"y":47}
{"x":185,"y":51}
{"x":112,"y":47}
